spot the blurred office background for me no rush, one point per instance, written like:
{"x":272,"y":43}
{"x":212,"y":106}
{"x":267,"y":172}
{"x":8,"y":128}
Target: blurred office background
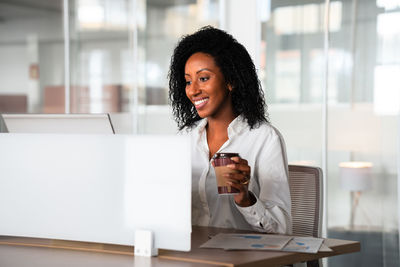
{"x":330,"y":71}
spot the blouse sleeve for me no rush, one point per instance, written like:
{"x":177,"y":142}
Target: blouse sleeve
{"x":271,"y":212}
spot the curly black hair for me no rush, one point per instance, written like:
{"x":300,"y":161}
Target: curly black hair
{"x":236,"y":66}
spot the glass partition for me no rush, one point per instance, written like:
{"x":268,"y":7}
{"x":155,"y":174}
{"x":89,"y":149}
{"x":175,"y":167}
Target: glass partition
{"x":363,"y":103}
{"x":31,"y":52}
{"x":364,"y":133}
{"x":167,"y":21}
{"x":120,"y":57}
{"x":292,"y":75}
{"x":119,"y":54}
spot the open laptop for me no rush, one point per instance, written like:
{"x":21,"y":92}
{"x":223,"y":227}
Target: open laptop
{"x":57,"y":123}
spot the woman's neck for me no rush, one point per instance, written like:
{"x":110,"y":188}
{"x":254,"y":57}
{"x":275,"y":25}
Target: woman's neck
{"x":217,"y":133}
{"x":218,"y":126}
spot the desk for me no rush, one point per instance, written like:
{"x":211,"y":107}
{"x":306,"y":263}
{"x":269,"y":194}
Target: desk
{"x":15,"y":251}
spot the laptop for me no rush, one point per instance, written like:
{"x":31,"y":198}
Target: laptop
{"x":58,"y":123}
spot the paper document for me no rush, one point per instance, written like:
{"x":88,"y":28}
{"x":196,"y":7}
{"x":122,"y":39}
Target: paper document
{"x":248,"y":241}
{"x":304,"y":244}
{"x":267,"y":242}
{"x":324,"y":248}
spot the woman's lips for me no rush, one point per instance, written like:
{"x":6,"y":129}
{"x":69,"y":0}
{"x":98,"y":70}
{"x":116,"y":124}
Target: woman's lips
{"x":199,"y":103}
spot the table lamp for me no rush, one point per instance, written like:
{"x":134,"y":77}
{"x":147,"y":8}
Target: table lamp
{"x":355,"y":176}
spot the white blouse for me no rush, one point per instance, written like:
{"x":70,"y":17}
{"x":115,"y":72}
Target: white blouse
{"x":264,"y":149}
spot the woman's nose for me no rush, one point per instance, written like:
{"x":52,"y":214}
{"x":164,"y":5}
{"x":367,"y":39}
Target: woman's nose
{"x":194,"y":89}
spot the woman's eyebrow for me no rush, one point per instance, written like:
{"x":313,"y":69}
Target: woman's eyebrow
{"x":203,"y":70}
{"x":200,"y":70}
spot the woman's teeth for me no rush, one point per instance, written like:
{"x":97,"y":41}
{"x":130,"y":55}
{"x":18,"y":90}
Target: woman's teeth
{"x":199,"y":102}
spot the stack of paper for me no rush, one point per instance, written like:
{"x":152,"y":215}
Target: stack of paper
{"x":265,"y":242}
{"x":247,"y":241}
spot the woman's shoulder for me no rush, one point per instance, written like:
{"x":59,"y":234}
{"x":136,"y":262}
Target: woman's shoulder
{"x":265,"y":128}
{"x":265,"y":133}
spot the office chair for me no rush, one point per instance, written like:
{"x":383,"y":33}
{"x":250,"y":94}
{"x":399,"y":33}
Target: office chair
{"x":306,"y":193}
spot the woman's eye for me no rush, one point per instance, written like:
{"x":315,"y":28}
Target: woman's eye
{"x":203,"y":79}
{"x":188,"y":83}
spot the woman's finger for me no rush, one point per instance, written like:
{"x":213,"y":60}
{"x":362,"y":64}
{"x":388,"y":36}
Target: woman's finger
{"x":212,"y":162}
{"x":236,"y":184}
{"x":237,"y":176}
{"x":239,"y":160}
{"x":239,"y":167}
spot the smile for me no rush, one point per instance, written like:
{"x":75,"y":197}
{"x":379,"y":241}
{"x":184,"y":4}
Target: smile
{"x":200,"y":103}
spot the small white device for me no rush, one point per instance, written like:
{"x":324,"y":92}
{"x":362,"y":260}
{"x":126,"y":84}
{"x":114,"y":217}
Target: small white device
{"x":144,"y":243}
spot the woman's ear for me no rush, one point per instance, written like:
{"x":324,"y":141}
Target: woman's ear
{"x":229,"y":87}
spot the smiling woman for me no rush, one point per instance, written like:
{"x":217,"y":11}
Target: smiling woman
{"x":216,"y":96}
{"x":234,"y":63}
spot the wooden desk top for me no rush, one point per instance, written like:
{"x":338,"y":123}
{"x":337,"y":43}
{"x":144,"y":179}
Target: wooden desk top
{"x":47,"y":252}
{"x":251,"y":258}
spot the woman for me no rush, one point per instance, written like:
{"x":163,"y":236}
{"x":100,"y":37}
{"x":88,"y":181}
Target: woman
{"x":216,"y":95}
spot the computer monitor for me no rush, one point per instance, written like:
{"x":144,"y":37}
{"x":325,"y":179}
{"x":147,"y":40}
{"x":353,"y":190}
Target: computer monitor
{"x":59,"y":123}
{"x":96,"y":188}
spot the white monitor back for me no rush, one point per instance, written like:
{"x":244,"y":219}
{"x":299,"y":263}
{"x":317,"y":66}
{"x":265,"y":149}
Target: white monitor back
{"x":96,"y":188}
{"x":59,"y":123}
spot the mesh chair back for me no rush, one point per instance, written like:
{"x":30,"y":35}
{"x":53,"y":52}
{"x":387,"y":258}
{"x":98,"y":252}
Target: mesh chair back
{"x":305,"y":184}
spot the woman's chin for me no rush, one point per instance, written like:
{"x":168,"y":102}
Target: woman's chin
{"x":202,"y":115}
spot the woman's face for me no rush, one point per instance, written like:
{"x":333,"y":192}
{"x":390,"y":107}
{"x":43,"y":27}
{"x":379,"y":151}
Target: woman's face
{"x":206,"y":87}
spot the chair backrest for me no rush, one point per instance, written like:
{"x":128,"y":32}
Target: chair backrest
{"x":306,"y":191}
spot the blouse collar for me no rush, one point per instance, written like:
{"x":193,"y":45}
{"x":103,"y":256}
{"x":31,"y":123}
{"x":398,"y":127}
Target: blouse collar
{"x":234,"y":128}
